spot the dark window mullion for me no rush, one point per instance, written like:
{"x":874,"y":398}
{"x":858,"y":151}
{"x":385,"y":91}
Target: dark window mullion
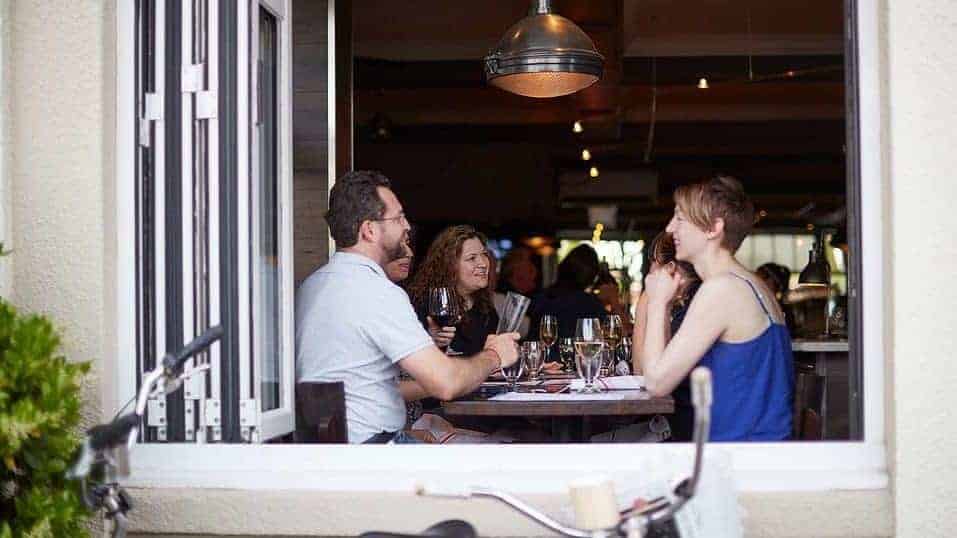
{"x":175,"y":431}
{"x":228,"y":177}
{"x":853,"y":225}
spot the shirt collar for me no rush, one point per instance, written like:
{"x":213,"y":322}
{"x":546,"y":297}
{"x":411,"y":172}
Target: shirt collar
{"x":352,"y":258}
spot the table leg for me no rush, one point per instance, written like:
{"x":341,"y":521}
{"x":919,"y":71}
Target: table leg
{"x":562,"y":429}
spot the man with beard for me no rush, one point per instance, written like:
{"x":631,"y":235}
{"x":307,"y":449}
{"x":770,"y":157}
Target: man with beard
{"x":354,"y":325}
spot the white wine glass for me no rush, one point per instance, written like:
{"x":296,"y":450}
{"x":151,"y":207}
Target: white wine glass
{"x":589,"y":342}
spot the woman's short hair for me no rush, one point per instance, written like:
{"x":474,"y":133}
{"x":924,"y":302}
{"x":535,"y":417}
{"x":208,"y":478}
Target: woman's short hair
{"x":721,"y":197}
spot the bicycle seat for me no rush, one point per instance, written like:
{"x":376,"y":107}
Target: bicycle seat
{"x":453,"y":528}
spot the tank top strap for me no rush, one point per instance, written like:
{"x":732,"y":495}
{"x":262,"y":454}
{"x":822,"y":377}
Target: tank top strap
{"x":756,"y":296}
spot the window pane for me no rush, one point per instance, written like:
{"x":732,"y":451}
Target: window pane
{"x":267,"y":249}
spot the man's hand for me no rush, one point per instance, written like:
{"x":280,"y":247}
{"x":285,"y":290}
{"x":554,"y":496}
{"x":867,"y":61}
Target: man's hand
{"x":504,"y":346}
{"x":442,"y":336}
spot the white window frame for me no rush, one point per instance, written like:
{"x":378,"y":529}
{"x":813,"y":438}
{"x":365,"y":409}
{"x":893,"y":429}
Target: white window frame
{"x":791,"y":466}
{"x":281,"y":420}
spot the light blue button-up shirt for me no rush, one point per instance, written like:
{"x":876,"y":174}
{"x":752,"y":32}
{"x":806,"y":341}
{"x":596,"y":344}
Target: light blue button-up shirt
{"x":354,"y":325}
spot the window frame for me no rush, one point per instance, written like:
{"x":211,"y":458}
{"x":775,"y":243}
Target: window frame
{"x":279,"y":421}
{"x":791,"y":466}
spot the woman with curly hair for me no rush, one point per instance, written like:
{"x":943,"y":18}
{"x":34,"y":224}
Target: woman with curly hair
{"x":457,"y":260}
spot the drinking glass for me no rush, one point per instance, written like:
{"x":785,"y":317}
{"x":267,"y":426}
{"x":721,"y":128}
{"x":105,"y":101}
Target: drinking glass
{"x":534,"y":360}
{"x":623,"y":366}
{"x":514,"y":372}
{"x":611,"y":329}
{"x":589,"y":343}
{"x":566,"y":352}
{"x":442,"y":307}
{"x":512,"y":312}
{"x":548,"y":333}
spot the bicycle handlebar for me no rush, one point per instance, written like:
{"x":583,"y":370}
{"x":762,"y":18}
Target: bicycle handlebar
{"x":173,"y":362}
{"x":114,"y":433}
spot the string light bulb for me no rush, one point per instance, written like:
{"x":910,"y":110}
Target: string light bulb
{"x":703,"y":84}
{"x":586,"y":155}
{"x":593,"y":171}
{"x":577,"y":127}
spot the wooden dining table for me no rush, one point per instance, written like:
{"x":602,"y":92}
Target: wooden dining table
{"x":563,"y":408}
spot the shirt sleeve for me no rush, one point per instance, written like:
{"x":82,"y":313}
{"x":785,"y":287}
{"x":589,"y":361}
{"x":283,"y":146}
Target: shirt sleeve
{"x":393,"y":326}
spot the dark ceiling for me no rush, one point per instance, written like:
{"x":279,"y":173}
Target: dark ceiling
{"x":461,"y":151}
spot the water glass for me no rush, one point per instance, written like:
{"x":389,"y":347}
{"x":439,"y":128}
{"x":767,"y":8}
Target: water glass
{"x":589,"y":343}
{"x":512,"y":313}
{"x":534,"y":359}
{"x":514,"y":372}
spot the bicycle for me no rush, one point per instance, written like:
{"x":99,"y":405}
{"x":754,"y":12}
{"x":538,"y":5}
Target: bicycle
{"x":655,"y":519}
{"x":103,"y":457}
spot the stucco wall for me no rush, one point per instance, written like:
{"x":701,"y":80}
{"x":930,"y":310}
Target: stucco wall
{"x":58,"y":176}
{"x":6,"y":105}
{"x":922,"y":73}
{"x":57,"y":125}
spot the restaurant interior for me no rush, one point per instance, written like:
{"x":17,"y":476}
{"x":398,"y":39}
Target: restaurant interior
{"x":758,"y":91}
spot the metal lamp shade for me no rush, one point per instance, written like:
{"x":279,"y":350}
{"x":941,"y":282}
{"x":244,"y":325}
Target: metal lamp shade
{"x":817,"y":271}
{"x":544,"y":55}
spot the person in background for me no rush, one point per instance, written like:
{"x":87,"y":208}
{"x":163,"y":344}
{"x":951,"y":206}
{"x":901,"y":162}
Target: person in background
{"x":458,"y":260}
{"x":777,"y":278}
{"x":733,"y":326}
{"x":519,"y":273}
{"x":568,"y":299}
{"x":607,"y":290}
{"x":662,"y":249}
{"x":398,"y":270}
{"x":355,"y":326}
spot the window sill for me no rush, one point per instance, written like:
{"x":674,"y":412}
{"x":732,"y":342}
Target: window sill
{"x":786,"y":467}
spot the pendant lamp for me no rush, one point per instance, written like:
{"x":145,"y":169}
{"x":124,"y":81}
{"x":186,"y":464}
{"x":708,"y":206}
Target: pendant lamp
{"x":544,"y":55}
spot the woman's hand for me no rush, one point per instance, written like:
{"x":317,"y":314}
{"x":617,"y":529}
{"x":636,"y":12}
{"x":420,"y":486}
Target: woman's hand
{"x":662,"y":284}
{"x":442,"y":336}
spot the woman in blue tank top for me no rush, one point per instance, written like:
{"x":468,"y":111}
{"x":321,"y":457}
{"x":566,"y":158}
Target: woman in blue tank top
{"x":733,"y":326}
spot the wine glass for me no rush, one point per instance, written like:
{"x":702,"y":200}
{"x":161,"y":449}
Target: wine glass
{"x":533,"y":353}
{"x":548,"y":333}
{"x":611,"y":328}
{"x":514,"y":372}
{"x":442,"y":307}
{"x":566,"y":351}
{"x":589,"y":343}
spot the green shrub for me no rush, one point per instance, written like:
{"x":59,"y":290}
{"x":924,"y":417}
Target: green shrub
{"x":39,"y":418}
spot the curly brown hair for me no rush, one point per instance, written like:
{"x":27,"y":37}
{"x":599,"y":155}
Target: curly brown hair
{"x":440,"y":269}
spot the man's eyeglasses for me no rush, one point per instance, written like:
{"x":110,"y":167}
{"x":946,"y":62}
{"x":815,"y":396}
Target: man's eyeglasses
{"x":401,"y":219}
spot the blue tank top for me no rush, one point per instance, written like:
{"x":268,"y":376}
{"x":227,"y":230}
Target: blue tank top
{"x":753,"y":384}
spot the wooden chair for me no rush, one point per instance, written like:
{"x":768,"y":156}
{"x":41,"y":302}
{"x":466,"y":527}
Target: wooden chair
{"x":808,"y":406}
{"x":320,"y":413}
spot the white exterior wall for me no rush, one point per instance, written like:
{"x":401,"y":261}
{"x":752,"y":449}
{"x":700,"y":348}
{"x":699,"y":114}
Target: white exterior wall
{"x":58,"y":118}
{"x":922,"y":165}
{"x":57,"y":173}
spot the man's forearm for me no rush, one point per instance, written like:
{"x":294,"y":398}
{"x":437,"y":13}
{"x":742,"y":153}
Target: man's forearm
{"x":473,"y":371}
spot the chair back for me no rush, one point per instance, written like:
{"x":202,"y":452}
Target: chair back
{"x":808,"y":406}
{"x":321,"y":412}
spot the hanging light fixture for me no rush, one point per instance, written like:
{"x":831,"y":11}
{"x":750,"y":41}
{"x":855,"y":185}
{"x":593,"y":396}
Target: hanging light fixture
{"x":703,"y":84}
{"x":577,"y":127}
{"x":586,"y":155}
{"x":593,"y":172}
{"x":544,"y":55}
